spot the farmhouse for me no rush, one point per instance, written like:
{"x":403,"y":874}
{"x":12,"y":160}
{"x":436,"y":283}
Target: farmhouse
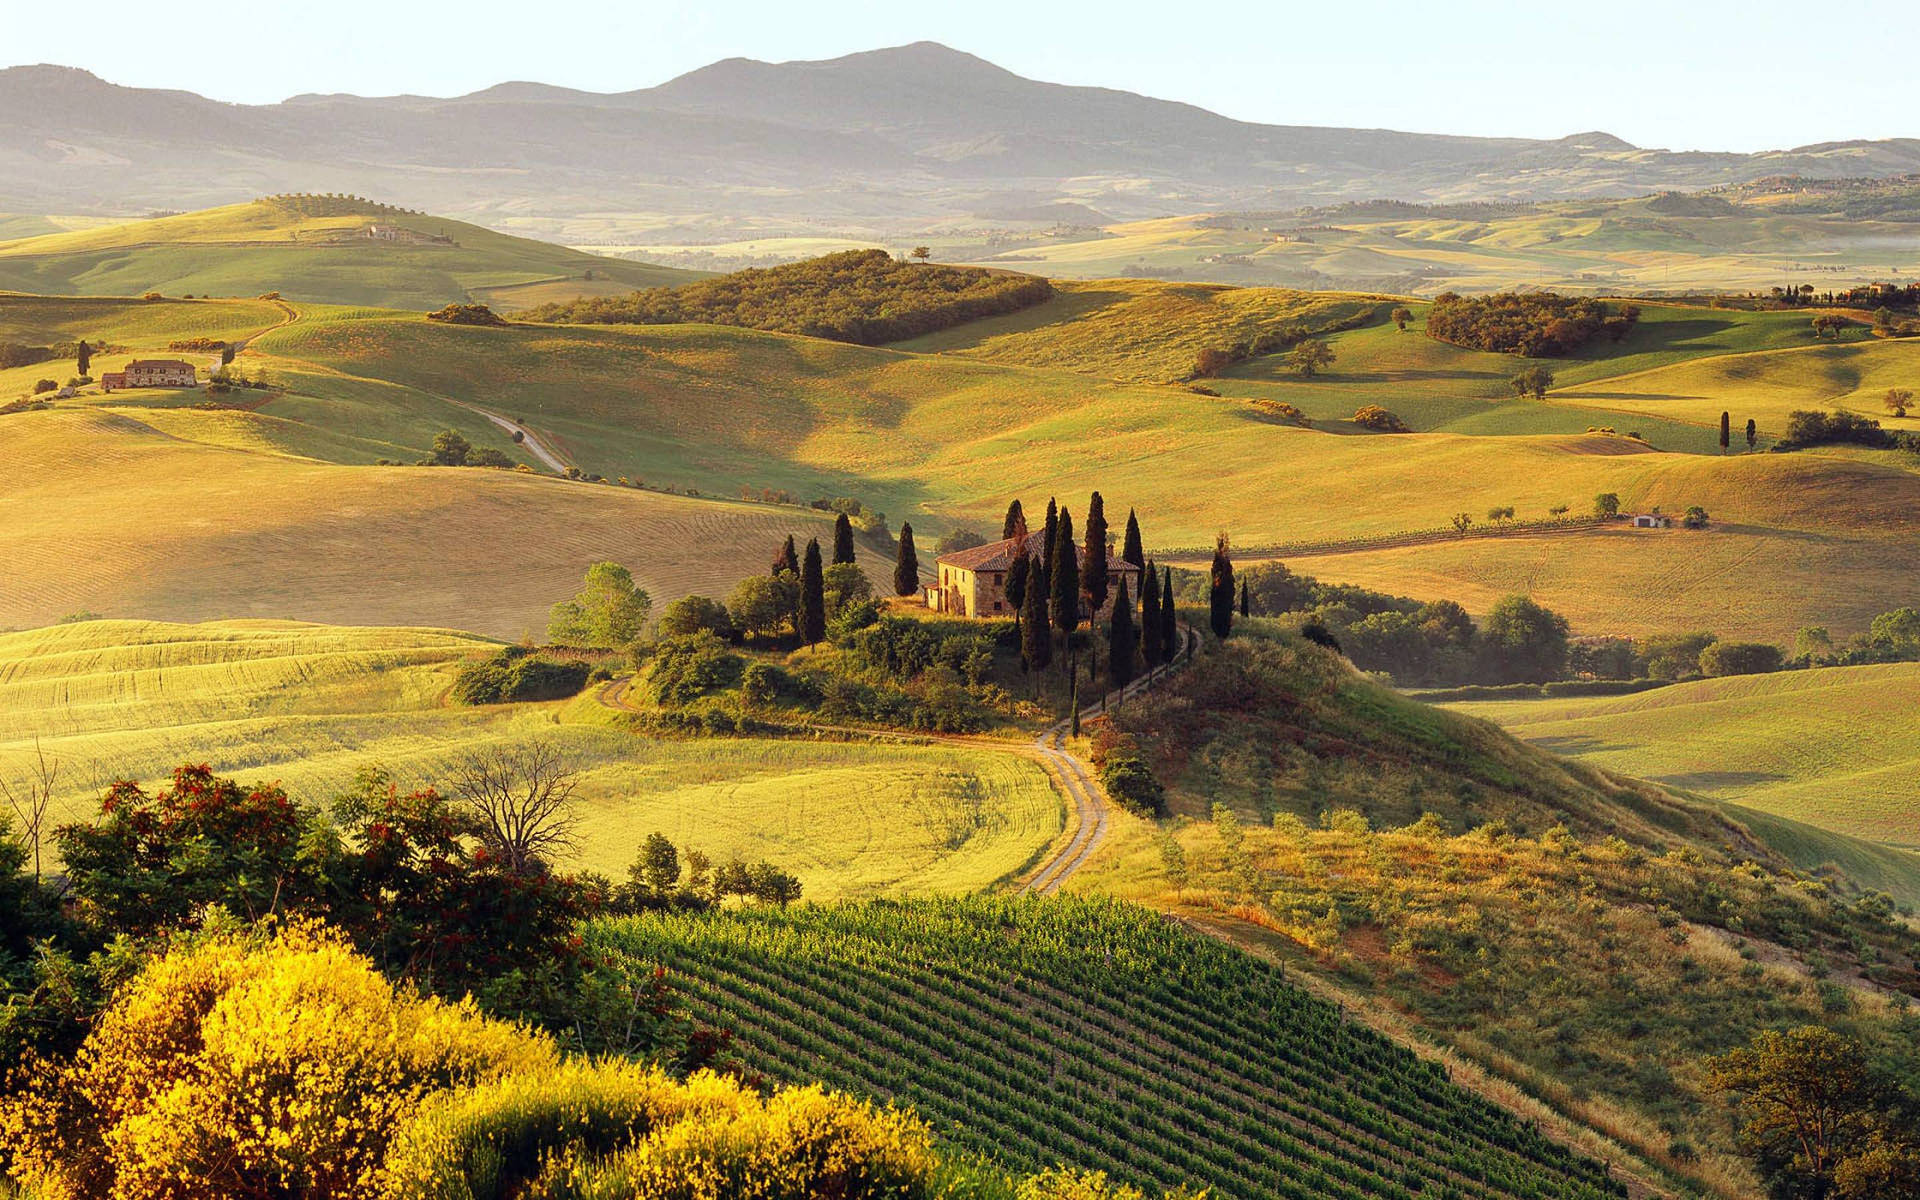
{"x":1652,"y":521}
{"x":149,"y":372}
{"x":973,"y":583}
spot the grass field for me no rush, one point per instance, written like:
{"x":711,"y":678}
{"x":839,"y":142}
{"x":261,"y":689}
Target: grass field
{"x":1836,"y":747}
{"x":310,"y":706}
{"x":249,"y":249}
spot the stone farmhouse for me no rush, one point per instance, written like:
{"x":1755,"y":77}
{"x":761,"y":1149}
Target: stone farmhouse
{"x":972,"y":583}
{"x":150,"y":372}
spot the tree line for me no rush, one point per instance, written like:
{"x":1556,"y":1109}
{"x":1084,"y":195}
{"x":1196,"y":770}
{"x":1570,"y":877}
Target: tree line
{"x":1530,"y":324}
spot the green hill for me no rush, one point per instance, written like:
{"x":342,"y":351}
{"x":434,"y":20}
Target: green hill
{"x":1096,"y":1034}
{"x":327,"y":249}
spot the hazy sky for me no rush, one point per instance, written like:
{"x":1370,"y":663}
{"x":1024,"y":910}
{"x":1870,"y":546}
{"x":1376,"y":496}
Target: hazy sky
{"x":1682,"y":74}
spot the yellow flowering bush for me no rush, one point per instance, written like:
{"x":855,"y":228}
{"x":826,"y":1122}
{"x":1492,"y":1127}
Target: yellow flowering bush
{"x":249,"y":1066}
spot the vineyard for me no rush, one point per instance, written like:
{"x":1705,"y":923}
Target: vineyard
{"x":1094,"y":1033}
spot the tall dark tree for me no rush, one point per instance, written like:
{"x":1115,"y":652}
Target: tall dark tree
{"x":1726,"y":431}
{"x":842,"y":540}
{"x":1015,"y":588}
{"x":1045,"y":561}
{"x":1064,"y":578}
{"x":83,"y":356}
{"x":906,"y":567}
{"x":1094,"y":580}
{"x":1753,"y":434}
{"x":1015,"y":524}
{"x":813,"y":596}
{"x":1246,"y":608}
{"x":1123,"y":643}
{"x":1220,"y":597}
{"x":1169,"y":618}
{"x":1150,"y":617}
{"x":788,"y":559}
{"x":1130,"y":548}
{"x":1036,"y":639}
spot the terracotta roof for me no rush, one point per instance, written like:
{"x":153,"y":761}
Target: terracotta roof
{"x":999,"y":556}
{"x":156,"y":364}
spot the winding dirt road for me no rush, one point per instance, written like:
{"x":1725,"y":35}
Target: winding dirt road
{"x":530,"y":440}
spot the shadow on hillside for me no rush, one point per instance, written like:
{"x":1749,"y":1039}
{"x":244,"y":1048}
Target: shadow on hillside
{"x":1716,"y":781}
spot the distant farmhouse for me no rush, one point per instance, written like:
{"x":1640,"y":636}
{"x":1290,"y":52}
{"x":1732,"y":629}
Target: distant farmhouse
{"x":972,"y":583}
{"x":1652,"y":521}
{"x":149,"y":372}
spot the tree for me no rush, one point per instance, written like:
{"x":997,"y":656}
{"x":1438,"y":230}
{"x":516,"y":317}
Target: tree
{"x":1130,"y":548}
{"x":521,"y":798}
{"x":1036,"y":639}
{"x":813,"y":596}
{"x":1726,"y":431}
{"x":1695,"y":518}
{"x":608,"y":612}
{"x":1123,"y":643}
{"x":1400,"y":317}
{"x":1150,"y":617}
{"x":1064,"y":580}
{"x":1524,"y":642}
{"x":83,"y":357}
{"x":842,"y":539}
{"x":1246,"y":604}
{"x":1169,"y":618}
{"x":1534,"y":381}
{"x":449,"y":449}
{"x":957,"y":540}
{"x":788,"y":559}
{"x":1015,"y":524}
{"x":1606,"y":504}
{"x":1018,"y":576}
{"x":763,"y":605}
{"x":1805,"y":1095}
{"x":1753,"y":435}
{"x":691,"y":614}
{"x":1500,"y":513}
{"x":1310,"y":356}
{"x":1739,"y":658}
{"x":30,"y":798}
{"x":1093,"y":570}
{"x":1899,"y":400}
{"x":656,"y":870}
{"x":1220,"y":597}
{"x":906,"y":564}
{"x":1372,"y":416}
{"x":1813,"y":642}
{"x":846,"y":585}
{"x":1045,"y":561}
{"x":1461,"y":522}
{"x":922,"y":253}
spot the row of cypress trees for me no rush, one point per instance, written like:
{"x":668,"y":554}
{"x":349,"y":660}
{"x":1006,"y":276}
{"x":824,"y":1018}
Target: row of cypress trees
{"x":812,"y":618}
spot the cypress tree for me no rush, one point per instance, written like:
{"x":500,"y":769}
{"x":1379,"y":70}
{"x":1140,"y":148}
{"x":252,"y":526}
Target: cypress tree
{"x":1065,"y":579}
{"x":1016,"y":585}
{"x":1726,"y":431}
{"x":842,"y":540}
{"x":1016,"y":523}
{"x":1220,"y":598}
{"x":1246,"y":609}
{"x":906,"y":568}
{"x":1169,"y":618}
{"x":1150,"y":617}
{"x":83,"y":357}
{"x":1753,"y":434}
{"x":788,"y":559}
{"x":1036,"y":640}
{"x":813,"y":596}
{"x":1093,"y":565}
{"x":1046,"y":547}
{"x":1123,"y":641}
{"x":1130,"y":548}
{"x":1170,"y":630}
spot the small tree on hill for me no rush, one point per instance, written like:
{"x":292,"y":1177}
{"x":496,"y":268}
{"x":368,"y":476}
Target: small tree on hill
{"x":1534,"y":381}
{"x":1150,"y":617}
{"x":906,"y":565}
{"x":1220,"y":597}
{"x":607,"y":613}
{"x":1899,"y":400}
{"x":1130,"y":548}
{"x":449,"y":449}
{"x":1169,"y":618}
{"x":842,"y":539}
{"x":787,"y":560}
{"x":521,"y":796}
{"x":83,"y":357}
{"x":1093,"y":572}
{"x":1015,"y":524}
{"x":1123,"y":643}
{"x":922,"y":253}
{"x":1606,"y":504}
{"x":813,"y":595}
{"x":1400,"y":317}
{"x":1753,"y":435}
{"x":1726,"y":431}
{"x":1310,"y":357}
{"x":1246,"y":605}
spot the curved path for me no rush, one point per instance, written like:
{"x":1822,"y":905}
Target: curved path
{"x":1074,"y":779}
{"x":528,"y":438}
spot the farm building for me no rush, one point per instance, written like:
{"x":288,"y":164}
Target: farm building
{"x":973,"y":583}
{"x":149,"y":372}
{"x":1652,"y":521}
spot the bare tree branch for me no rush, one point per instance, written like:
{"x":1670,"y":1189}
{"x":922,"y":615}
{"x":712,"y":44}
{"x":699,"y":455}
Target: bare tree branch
{"x":522,"y":797}
{"x":31,"y":799}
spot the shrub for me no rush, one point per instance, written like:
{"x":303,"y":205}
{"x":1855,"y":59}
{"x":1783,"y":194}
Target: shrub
{"x":691,"y":614}
{"x":1379,"y":419}
{"x":1740,"y":658}
{"x":515,"y":675}
{"x":466,"y":314}
{"x":687,"y":668}
{"x":1280,"y":410}
{"x":41,"y":386}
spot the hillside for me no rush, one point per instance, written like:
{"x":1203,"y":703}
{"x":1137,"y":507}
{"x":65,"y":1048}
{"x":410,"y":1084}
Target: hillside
{"x":1097,"y":1034}
{"x":338,"y":250}
{"x":314,"y":705}
{"x":1832,"y":747}
{"x":1579,"y":939}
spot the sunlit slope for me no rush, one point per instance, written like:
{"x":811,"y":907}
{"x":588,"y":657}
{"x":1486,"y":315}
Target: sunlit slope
{"x":105,"y":513}
{"x":312,"y":705}
{"x":418,"y":261}
{"x":1836,"y":747}
{"x":120,"y":330}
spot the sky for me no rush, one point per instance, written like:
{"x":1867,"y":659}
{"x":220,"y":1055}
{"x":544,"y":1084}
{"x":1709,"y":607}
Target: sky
{"x":1676,"y":74}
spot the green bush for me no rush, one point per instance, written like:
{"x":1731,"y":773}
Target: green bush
{"x":686,"y":668}
{"x":514,"y":674}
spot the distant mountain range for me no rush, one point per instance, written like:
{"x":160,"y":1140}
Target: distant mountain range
{"x":913,"y":133}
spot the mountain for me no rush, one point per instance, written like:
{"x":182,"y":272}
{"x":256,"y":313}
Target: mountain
{"x":909,"y":133}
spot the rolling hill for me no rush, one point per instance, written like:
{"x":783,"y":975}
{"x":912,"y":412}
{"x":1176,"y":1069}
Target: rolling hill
{"x":323,"y":249}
